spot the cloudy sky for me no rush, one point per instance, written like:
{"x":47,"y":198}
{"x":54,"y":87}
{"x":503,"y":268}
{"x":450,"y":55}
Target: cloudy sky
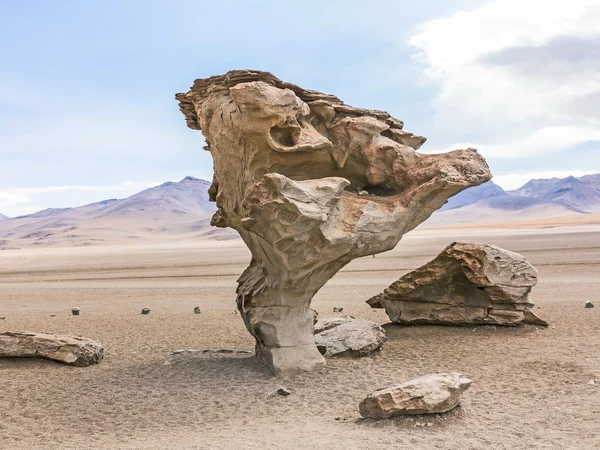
{"x":86,"y":87}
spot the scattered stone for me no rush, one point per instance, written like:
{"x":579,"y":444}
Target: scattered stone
{"x":1,"y":317}
{"x":592,"y":382}
{"x":437,"y":393}
{"x":363,"y":193}
{"x":589,"y":305}
{"x":197,"y":310}
{"x":429,"y":424}
{"x":336,"y":309}
{"x":282,"y":391}
{"x":146,"y":311}
{"x":348,"y":337}
{"x":75,"y":311}
{"x":466,"y":284}
{"x":284,"y":158}
{"x":72,"y":350}
{"x":52,"y":315}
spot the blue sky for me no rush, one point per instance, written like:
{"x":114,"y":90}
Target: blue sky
{"x":86,"y":87}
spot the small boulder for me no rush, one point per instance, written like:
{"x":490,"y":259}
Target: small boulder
{"x":330,"y":322}
{"x":145,"y":311}
{"x":75,"y":311}
{"x":348,"y":337}
{"x":197,"y":310}
{"x":437,"y":393}
{"x":589,"y":305}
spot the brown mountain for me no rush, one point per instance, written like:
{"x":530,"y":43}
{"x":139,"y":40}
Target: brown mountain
{"x":176,"y":211}
{"x":581,"y":193}
{"x":171,"y":211}
{"x":538,"y":200}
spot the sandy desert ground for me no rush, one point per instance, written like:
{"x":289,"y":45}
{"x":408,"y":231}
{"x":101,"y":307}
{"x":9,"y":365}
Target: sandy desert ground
{"x":531,"y":386}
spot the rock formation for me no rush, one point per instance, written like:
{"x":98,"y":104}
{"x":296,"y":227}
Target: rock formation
{"x":348,"y":337}
{"x":72,"y":350}
{"x":310,"y":184}
{"x":437,"y":393}
{"x":465,"y":284}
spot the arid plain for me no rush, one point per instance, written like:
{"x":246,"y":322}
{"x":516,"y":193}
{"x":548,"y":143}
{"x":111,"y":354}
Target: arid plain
{"x":532,"y":386}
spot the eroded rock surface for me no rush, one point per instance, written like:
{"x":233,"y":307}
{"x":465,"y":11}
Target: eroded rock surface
{"x":437,"y":393}
{"x":72,"y":350}
{"x":465,"y":284}
{"x":310,"y":184}
{"x":348,"y":337}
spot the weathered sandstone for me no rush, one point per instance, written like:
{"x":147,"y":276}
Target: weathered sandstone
{"x":310,"y":184}
{"x":72,"y":350}
{"x":465,"y":284}
{"x":437,"y":393}
{"x":348,"y":337}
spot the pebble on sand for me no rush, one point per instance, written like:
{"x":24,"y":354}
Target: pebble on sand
{"x":146,"y":311}
{"x":589,"y":305}
{"x":75,"y":311}
{"x":197,"y":310}
{"x":279,"y":391}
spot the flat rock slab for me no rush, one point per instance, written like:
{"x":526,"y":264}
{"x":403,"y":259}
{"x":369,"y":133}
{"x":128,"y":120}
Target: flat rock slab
{"x":437,"y":393}
{"x":348,"y":337}
{"x":72,"y":350}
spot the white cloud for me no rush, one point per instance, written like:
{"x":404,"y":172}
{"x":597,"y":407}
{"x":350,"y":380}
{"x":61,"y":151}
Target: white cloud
{"x":125,"y":187}
{"x":9,"y":199}
{"x":519,"y":72}
{"x":543,"y":140}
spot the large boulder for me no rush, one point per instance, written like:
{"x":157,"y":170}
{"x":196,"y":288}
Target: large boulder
{"x":348,"y":337}
{"x":310,"y":184}
{"x":465,"y":284}
{"x":72,"y":350}
{"x":437,"y":393}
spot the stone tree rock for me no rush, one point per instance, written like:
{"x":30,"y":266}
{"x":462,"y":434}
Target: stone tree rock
{"x":72,"y":350}
{"x":310,"y":184}
{"x":437,"y":393}
{"x":465,"y":284}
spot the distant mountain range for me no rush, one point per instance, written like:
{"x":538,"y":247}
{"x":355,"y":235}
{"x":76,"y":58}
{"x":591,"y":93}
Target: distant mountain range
{"x":536,"y":200}
{"x":181,"y":210}
{"x":169,"y":211}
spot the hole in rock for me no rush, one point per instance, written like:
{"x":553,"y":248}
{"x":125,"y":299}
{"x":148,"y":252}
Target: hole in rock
{"x":377,"y":191}
{"x":285,"y":136}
